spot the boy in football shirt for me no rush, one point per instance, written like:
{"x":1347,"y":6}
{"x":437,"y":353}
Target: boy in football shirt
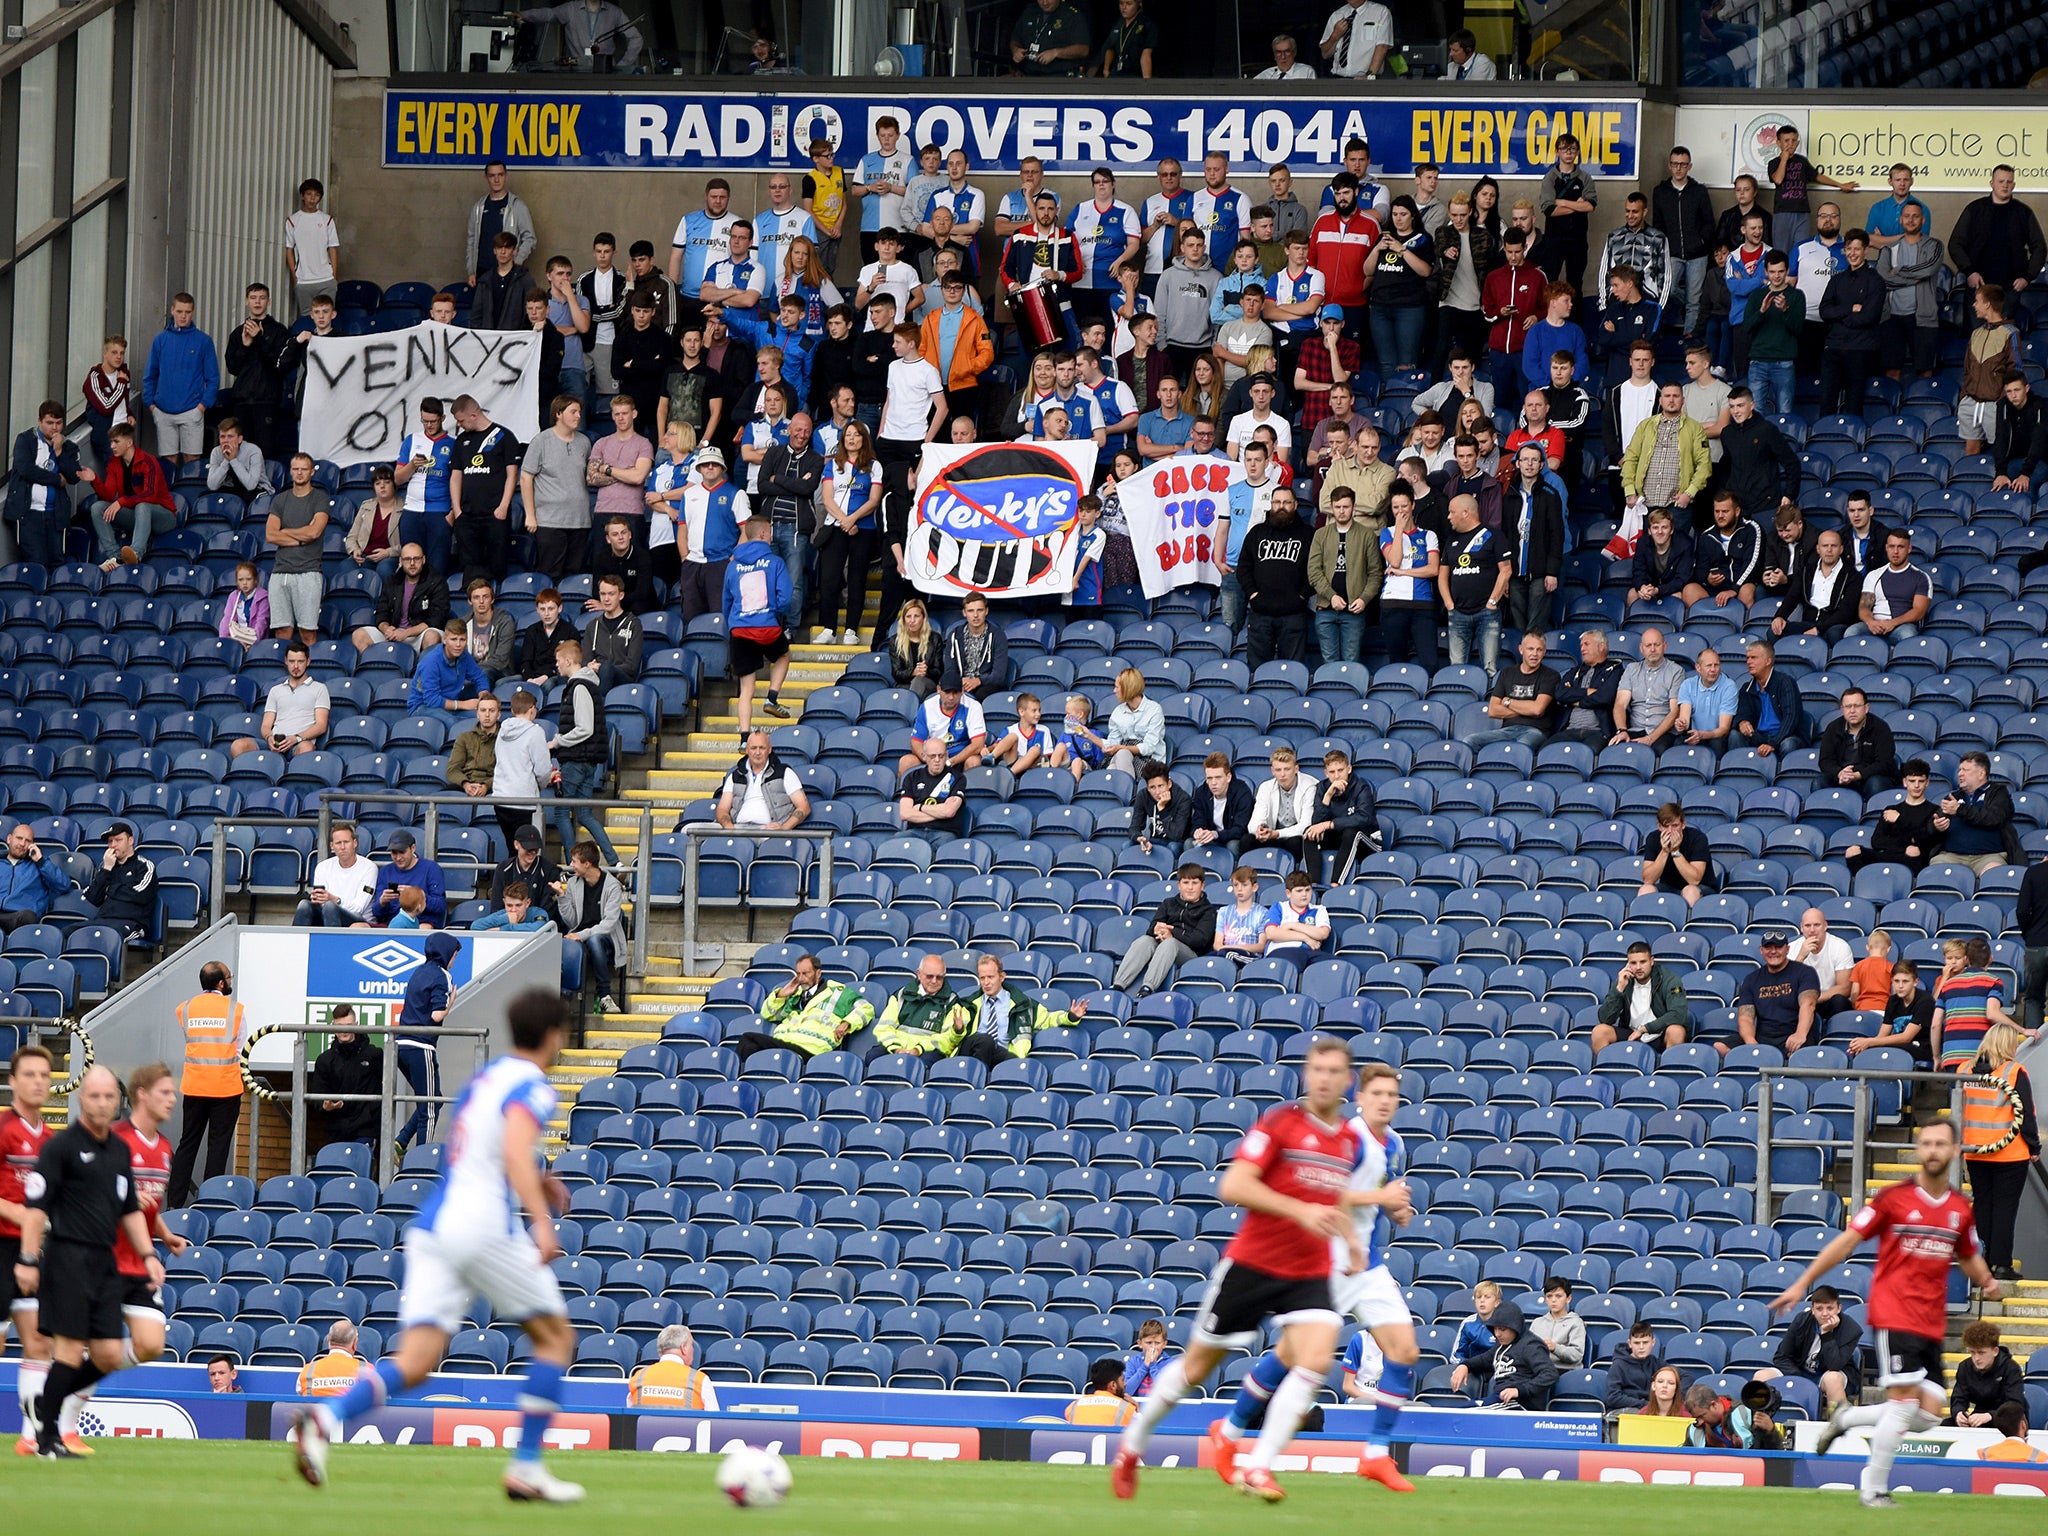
{"x":1921,"y":1226}
{"x":425,"y":459}
{"x":1378,"y":1201}
{"x":1297,"y":925}
{"x":1289,"y":1175}
{"x":1027,"y":743}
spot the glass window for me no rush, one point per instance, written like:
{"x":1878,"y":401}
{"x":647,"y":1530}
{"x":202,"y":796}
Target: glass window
{"x":31,"y":369}
{"x":88,"y":276}
{"x":92,"y":150}
{"x":35,"y":163}
{"x":33,"y":11}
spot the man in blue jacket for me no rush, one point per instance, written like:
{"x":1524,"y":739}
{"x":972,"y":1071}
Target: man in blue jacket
{"x":757,"y":593}
{"x":181,"y":383}
{"x":448,"y":677}
{"x":44,"y":468}
{"x":28,"y":881}
{"x":1769,"y":714}
{"x":408,"y":868}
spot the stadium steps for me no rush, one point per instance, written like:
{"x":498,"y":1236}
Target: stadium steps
{"x":663,"y":992}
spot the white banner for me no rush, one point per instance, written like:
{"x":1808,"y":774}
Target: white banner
{"x":1173,"y":509}
{"x":999,"y":518}
{"x":363,"y":392}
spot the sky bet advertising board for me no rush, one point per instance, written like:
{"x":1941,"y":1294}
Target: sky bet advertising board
{"x":1466,"y":135}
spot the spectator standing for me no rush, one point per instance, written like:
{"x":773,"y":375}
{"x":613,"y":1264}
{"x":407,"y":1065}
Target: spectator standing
{"x":255,"y":355}
{"x":850,"y":497}
{"x":312,"y":249}
{"x":1647,"y":1003}
{"x":1532,"y":518}
{"x":1910,"y":268}
{"x":1476,"y":568}
{"x":344,"y":884}
{"x":1793,"y":178}
{"x":181,"y":383}
{"x":483,"y":472}
{"x":590,"y":909}
{"x":1640,"y":246}
{"x":425,"y":461}
{"x":1410,"y":559}
{"x":499,"y":211}
{"x":553,"y":477}
{"x":1854,"y":309}
{"x":134,"y":498}
{"x":2031,"y":919}
{"x":601,"y":293}
{"x":1976,"y":819}
{"x":1683,"y":212}
{"x":503,"y":286}
{"x":1997,"y":239}
{"x":2001,"y":1139}
{"x":1345,"y":573}
{"x":350,"y":1065}
{"x":1276,"y":585}
{"x":297,"y":529}
{"x":1399,"y":277}
{"x":43,"y":469}
{"x":1990,"y":355}
{"x":756,"y":597}
{"x":1566,"y":200}
{"x":1050,"y":38}
{"x":521,"y":768}
{"x":618,"y":468}
{"x":1357,"y":39}
{"x":107,"y":397}
{"x":582,"y":749}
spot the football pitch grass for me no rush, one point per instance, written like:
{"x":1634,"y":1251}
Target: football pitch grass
{"x":211,"y":1488}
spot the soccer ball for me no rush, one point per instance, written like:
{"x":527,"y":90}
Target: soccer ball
{"x":753,"y":1479}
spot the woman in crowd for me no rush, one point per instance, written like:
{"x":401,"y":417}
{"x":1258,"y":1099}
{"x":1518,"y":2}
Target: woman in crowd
{"x":675,"y":467}
{"x":914,"y":650}
{"x":804,"y":275}
{"x":373,"y":537}
{"x":2001,"y":1139}
{"x":1137,"y":726}
{"x":1486,"y":216}
{"x":1119,"y":559}
{"x":1017,"y":415}
{"x":852,"y":495}
{"x":1399,"y":277}
{"x":1202,"y":394}
{"x":1667,"y":1399}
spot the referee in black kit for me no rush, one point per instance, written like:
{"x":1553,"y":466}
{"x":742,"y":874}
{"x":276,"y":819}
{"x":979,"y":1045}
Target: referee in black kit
{"x":81,"y":1198}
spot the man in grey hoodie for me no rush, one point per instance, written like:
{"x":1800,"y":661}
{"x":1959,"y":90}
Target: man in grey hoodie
{"x":522,"y":766}
{"x":1182,"y":303}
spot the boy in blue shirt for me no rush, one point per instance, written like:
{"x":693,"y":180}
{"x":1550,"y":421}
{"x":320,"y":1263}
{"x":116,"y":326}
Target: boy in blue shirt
{"x":1297,"y":924}
{"x":1086,"y":598}
{"x":1079,"y":747}
{"x":424,"y":460}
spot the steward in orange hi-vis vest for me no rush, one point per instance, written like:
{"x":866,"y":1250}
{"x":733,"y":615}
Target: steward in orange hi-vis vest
{"x":672,"y":1381}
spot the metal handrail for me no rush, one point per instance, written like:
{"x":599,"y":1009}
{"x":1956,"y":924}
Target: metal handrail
{"x":385,"y":1097}
{"x":642,"y":888}
{"x":1863,"y":1077}
{"x":693,"y":834}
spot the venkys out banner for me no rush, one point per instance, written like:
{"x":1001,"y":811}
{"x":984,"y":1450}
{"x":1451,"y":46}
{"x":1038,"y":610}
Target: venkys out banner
{"x":999,"y":518}
{"x":363,"y":392}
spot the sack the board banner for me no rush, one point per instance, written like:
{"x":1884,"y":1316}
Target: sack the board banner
{"x":363,"y":392}
{"x":1466,"y":135}
{"x":1175,"y":510}
{"x":998,"y":518}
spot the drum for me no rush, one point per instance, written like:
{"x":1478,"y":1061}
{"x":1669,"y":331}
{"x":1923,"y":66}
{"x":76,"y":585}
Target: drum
{"x":1037,"y":321}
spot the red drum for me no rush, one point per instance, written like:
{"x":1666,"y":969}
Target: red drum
{"x":1037,"y":321}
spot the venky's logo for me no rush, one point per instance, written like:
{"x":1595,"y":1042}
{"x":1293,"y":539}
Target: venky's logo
{"x":390,"y":959}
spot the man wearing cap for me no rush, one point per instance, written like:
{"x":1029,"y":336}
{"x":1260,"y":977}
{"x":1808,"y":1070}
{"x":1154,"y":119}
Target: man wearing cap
{"x":952,"y":717}
{"x":714,"y":508}
{"x":212,"y":1024}
{"x":408,"y":868}
{"x":1775,"y":1003}
{"x":528,"y":866}
{"x":343,"y":885}
{"x":123,"y":889}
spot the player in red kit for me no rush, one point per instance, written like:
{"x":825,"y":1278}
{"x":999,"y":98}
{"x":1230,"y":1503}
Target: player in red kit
{"x":152,"y":1098}
{"x":1921,"y":1227}
{"x":1289,"y":1174}
{"x":22,"y":1134}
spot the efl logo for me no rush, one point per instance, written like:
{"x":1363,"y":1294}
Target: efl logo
{"x":1670,"y":1471}
{"x":892,"y":1442}
{"x":497,"y":1429}
{"x":140,"y":1418}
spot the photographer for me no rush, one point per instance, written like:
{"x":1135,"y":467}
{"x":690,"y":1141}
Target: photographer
{"x":1721,"y":1424}
{"x":28,"y":882}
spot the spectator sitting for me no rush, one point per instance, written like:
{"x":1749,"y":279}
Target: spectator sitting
{"x":447,"y":679}
{"x":29,"y":882}
{"x":1002,"y":1019}
{"x":924,"y":1018}
{"x":1987,"y":1380}
{"x":807,"y":1014}
{"x":1286,"y":63}
{"x":528,"y":865}
{"x":1775,"y":1003}
{"x":955,"y":721}
{"x":1106,"y":1402}
{"x":343,"y":885}
{"x":44,"y":467}
{"x":673,"y":1380}
{"x":1667,"y":1396}
{"x":976,"y":651}
{"x":762,"y":791}
{"x":1719,"y":1423}
{"x":1825,"y":1347}
{"x":1631,"y":1369}
{"x":1561,"y":1330}
{"x":412,"y":609}
{"x":914,"y":650}
{"x":932,"y":798}
{"x":618,"y":556}
{"x":408,"y":868}
{"x":1162,"y":811}
{"x":1284,"y":807}
{"x":1857,"y":750}
{"x":1078,"y":748}
{"x":1241,"y":926}
{"x":349,"y":1065}
{"x":236,"y":465}
{"x":1663,"y":563}
{"x":134,"y":497}
{"x":1646,"y":704}
{"x":1136,"y":731}
{"x":1586,"y":694}
{"x":1183,"y":927}
{"x":493,"y":637}
{"x":2010,"y":1420}
{"x":1345,"y":824}
{"x":221,"y":1373}
{"x":1706,"y":705}
{"x":1027,"y":743}
{"x":547,"y":631}
{"x":123,"y":891}
{"x":590,"y":910}
{"x":245,"y":616}
{"x":1830,"y":959}
{"x":1523,"y":1372}
{"x":1296,"y":924}
{"x":473,"y":757}
{"x":1677,"y":858}
{"x":517,"y":915}
{"x":1768,"y":713}
{"x":1466,"y":61}
{"x":1975,"y":819}
{"x":1521,"y":697}
{"x":1147,"y":1359}
{"x":1647,"y":1003}
{"x":412,"y":906}
{"x":1897,"y":595}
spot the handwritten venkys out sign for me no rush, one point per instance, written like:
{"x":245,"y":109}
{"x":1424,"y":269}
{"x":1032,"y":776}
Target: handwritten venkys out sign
{"x":363,"y":392}
{"x":1175,"y":510}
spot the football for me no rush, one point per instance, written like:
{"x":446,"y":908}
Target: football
{"x":753,"y":1479}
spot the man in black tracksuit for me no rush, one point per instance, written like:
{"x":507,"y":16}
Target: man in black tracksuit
{"x":1757,"y":464}
{"x":1346,"y":823}
{"x":1854,"y":308}
{"x":1276,"y":586}
{"x":255,"y":356}
{"x":124,"y":888}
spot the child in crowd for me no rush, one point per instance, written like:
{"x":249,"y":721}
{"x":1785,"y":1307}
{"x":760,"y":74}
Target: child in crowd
{"x":1027,"y":743}
{"x":1297,"y":925}
{"x":1079,"y":748}
{"x":1144,"y":1363}
{"x":412,"y":902}
{"x":1560,"y":1328}
{"x":107,"y":398}
{"x":1241,"y":927}
{"x":1473,"y":1349}
{"x":1870,"y":979}
{"x":1085,"y":601}
{"x":246,"y":618}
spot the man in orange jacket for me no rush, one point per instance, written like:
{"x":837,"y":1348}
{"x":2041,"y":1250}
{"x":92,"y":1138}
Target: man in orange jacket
{"x":212,"y":1025}
{"x":336,"y":1371}
{"x":672,"y":1381}
{"x":954,"y":340}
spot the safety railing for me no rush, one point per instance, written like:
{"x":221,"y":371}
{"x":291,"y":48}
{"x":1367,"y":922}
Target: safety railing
{"x":1858,"y":1141}
{"x":693,"y":834}
{"x":386,"y":1097}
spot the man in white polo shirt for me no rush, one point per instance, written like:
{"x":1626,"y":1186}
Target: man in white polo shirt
{"x":296,"y":712}
{"x":342,"y":885}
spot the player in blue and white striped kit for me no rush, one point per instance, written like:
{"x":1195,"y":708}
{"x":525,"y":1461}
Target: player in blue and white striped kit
{"x":469,"y":1240}
{"x":1379,"y":1201}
